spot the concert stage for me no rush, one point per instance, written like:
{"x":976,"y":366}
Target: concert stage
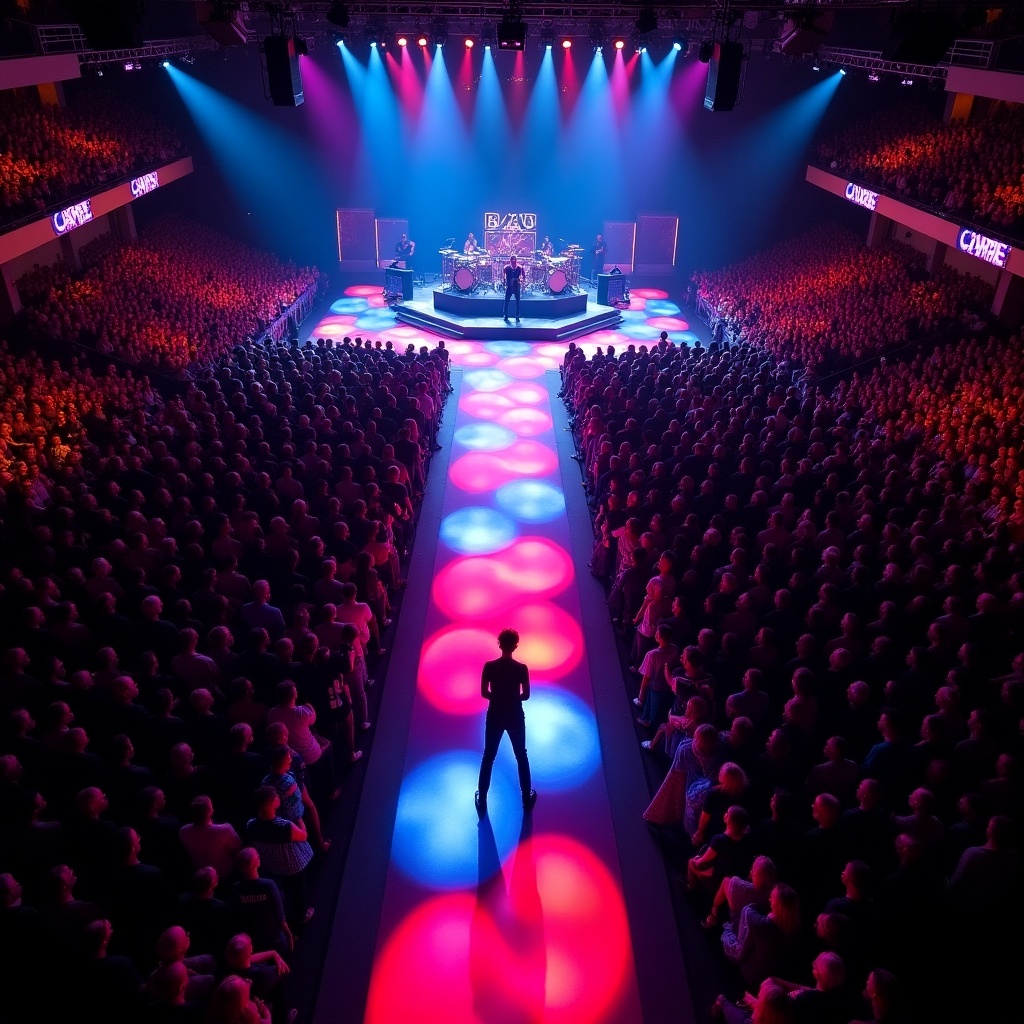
{"x":478,"y":315}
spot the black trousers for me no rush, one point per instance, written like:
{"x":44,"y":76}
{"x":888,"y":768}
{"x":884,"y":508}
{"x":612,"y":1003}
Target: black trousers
{"x":509,"y":292}
{"x":499,"y":721}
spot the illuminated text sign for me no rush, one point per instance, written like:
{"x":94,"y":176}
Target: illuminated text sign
{"x":987,"y":249}
{"x":71,"y":218}
{"x":861,"y":196}
{"x":145,"y":183}
{"x":510,"y":221}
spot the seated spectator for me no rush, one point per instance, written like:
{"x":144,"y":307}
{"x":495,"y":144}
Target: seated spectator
{"x":763,"y":945}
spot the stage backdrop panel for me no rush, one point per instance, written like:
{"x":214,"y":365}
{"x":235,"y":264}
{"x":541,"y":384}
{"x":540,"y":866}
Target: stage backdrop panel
{"x":357,"y":241}
{"x":656,"y":239}
{"x":389,"y":231}
{"x":620,"y":245}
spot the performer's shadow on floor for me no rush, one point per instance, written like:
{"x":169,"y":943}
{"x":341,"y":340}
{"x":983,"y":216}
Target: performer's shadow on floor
{"x":507,"y":955}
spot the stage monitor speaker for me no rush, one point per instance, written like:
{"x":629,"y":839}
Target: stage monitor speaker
{"x":611,"y":289}
{"x":283,"y":72}
{"x":724,"y":76}
{"x":111,"y":25}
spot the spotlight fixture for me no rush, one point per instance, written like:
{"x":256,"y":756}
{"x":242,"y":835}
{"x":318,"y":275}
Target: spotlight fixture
{"x":421,"y":40}
{"x":598,"y":36}
{"x":403,"y":41}
{"x":874,"y":76}
{"x":842,"y":71}
{"x":620,"y":43}
{"x":469,"y":42}
{"x":680,"y":44}
{"x":647,"y":21}
{"x":440,"y":32}
{"x":707,"y":48}
{"x":487,"y":36}
{"x":816,"y":66}
{"x":547,"y":36}
{"x":338,"y":15}
{"x":165,"y":63}
{"x":512,"y":32}
{"x":566,"y":44}
{"x":301,"y":47}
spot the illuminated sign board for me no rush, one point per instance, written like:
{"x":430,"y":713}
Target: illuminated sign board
{"x":510,"y":222}
{"x":145,"y":183}
{"x":73,"y":217}
{"x":985,"y":248}
{"x":861,"y":196}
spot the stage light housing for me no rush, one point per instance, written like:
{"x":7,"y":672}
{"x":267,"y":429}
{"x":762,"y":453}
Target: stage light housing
{"x":620,"y":44}
{"x":421,"y":41}
{"x":707,"y":48}
{"x":816,"y":66}
{"x":680,"y":44}
{"x":566,"y":44}
{"x":511,"y":33}
{"x":842,"y":71}
{"x":547,"y":36}
{"x":598,"y":35}
{"x":469,"y":42}
{"x":440,"y":32}
{"x":403,"y":41}
{"x":301,"y":47}
{"x":165,"y":63}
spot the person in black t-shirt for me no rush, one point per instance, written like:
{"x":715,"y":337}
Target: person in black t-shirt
{"x":505,"y":684}
{"x":513,"y":285}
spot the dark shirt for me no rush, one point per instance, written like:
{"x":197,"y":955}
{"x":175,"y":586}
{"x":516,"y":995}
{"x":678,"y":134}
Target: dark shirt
{"x":505,"y":679}
{"x":513,"y":276}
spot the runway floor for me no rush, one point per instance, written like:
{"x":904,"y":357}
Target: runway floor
{"x":562,"y":915}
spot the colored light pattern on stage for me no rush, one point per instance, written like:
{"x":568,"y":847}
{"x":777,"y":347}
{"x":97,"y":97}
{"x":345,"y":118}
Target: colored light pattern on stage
{"x":513,"y":917}
{"x":361,"y":311}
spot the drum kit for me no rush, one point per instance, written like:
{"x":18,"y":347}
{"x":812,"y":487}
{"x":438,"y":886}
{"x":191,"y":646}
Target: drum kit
{"x":542,"y":275}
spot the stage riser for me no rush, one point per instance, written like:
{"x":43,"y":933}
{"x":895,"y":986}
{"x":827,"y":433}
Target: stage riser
{"x":521,"y":332}
{"x":551,"y":307}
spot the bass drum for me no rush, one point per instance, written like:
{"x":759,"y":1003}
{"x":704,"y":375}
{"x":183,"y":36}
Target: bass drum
{"x":557,"y":281}
{"x":464,"y":279}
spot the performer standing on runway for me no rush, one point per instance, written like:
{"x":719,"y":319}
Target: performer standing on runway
{"x":404,"y":249}
{"x":513,"y":285}
{"x":505,"y":684}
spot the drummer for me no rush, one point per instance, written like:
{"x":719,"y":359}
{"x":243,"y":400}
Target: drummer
{"x":471,"y":247}
{"x":547,"y":249}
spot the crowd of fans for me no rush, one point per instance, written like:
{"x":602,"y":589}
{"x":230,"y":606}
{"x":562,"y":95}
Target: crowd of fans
{"x":971,"y":169}
{"x":194,"y":597}
{"x":180,"y":295}
{"x":822,"y":300}
{"x":49,"y":154}
{"x":823,"y":594}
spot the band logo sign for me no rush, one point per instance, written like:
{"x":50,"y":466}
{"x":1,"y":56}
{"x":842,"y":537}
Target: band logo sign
{"x":73,"y":217}
{"x":145,"y":183}
{"x":983,"y":247}
{"x":861,"y":196}
{"x":510,"y":222}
